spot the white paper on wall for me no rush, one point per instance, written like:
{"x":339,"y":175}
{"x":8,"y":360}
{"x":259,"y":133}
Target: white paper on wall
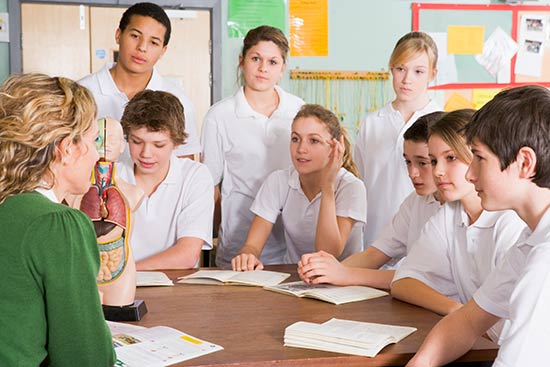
{"x":497,"y":54}
{"x":446,"y":65}
{"x":532,"y":37}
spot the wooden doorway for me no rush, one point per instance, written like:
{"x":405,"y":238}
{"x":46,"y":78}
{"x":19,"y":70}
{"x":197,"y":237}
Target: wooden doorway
{"x":75,"y":40}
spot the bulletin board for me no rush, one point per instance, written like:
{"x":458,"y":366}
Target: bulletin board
{"x":526,"y":25}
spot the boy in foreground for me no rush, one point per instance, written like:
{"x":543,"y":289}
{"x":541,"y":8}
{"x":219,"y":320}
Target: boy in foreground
{"x":510,"y":140}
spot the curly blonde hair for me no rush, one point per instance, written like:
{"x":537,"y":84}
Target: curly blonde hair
{"x":36,"y":113}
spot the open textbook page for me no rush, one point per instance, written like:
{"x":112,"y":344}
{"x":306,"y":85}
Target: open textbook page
{"x":327,"y":292}
{"x":136,"y":346}
{"x":345,"y":336}
{"x":254,"y":277}
{"x":152,"y":279}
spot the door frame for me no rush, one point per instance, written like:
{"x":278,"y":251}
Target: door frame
{"x":214,"y":6}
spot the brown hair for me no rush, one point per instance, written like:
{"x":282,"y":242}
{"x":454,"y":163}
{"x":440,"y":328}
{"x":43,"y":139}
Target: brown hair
{"x":516,"y":118}
{"x":263,"y":33}
{"x":36,"y":113}
{"x":156,"y":111}
{"x":147,"y":10}
{"x":335,"y":129}
{"x":450,"y":128}
{"x":418,"y":132}
{"x":412,"y":44}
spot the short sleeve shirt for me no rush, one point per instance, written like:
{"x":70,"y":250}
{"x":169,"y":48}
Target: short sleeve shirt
{"x":398,"y":237}
{"x":181,"y":206}
{"x":241,"y":147}
{"x":378,"y":154}
{"x":455,"y":258}
{"x":519,"y":291}
{"x":281,"y":194}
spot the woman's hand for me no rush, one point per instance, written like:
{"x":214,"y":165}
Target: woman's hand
{"x":244,"y":262}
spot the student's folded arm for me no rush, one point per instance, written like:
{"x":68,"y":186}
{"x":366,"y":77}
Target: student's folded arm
{"x":453,"y":336}
{"x":373,"y":277}
{"x":418,"y":293}
{"x":371,"y":258}
{"x":183,"y":255}
{"x":249,"y":255}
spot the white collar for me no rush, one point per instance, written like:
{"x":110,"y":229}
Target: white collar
{"x":47,"y":193}
{"x":108,"y":85}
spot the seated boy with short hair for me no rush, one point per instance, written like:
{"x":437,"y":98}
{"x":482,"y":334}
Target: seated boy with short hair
{"x":396,"y":240}
{"x":510,"y":140}
{"x":175,"y":217}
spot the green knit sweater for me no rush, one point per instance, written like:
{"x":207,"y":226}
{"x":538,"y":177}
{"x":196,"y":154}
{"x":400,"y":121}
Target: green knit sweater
{"x":50,"y":313}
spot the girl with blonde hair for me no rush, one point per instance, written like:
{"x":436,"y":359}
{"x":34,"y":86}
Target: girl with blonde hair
{"x":379,"y":145}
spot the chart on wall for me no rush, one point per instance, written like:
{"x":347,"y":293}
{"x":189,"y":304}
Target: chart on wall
{"x":487,"y":46}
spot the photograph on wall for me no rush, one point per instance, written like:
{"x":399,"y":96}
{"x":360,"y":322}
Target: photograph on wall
{"x":533,"y":34}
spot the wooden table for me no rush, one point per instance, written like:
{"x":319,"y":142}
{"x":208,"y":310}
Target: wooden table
{"x":249,"y":323}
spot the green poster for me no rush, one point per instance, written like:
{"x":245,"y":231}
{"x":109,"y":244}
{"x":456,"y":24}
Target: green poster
{"x":247,"y":14}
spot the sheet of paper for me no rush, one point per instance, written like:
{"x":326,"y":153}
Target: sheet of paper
{"x":308,"y":27}
{"x":465,"y":40}
{"x":456,"y":102}
{"x":243,"y":15}
{"x":158,"y":346}
{"x":532,"y":37}
{"x":482,"y":96}
{"x":498,"y":51}
{"x":4,"y":27}
{"x":446,"y":64}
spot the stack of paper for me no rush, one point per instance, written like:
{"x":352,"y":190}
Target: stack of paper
{"x":152,"y":279}
{"x":137,"y":346}
{"x":345,"y":336}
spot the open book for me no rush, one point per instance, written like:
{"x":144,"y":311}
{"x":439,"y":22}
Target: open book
{"x":345,"y":336}
{"x":152,"y":279}
{"x":137,"y":346}
{"x":327,"y":292}
{"x":254,"y":277}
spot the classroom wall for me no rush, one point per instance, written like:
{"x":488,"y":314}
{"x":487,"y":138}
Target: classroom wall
{"x":4,"y":49}
{"x":362,"y":34}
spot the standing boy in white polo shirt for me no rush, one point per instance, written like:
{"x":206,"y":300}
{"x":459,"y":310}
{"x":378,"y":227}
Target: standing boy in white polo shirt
{"x":142,"y":35}
{"x":510,"y":140}
{"x":175,"y":217}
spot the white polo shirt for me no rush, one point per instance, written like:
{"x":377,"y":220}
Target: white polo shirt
{"x":379,"y":157}
{"x":111,"y":103}
{"x":398,"y":237}
{"x":182,"y":206}
{"x":241,"y":147}
{"x":282,"y":194}
{"x":454,"y":258}
{"x":519,"y":290}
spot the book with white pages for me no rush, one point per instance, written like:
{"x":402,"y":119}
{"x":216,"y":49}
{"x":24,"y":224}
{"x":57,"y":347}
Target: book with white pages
{"x":345,"y":336}
{"x":152,"y":279}
{"x":258,"y":278}
{"x":137,"y":346}
{"x":327,"y":292}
